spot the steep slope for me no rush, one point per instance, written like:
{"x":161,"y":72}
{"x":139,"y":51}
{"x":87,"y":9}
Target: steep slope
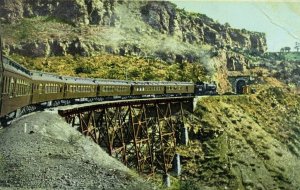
{"x":42,"y":151}
{"x":245,"y":142}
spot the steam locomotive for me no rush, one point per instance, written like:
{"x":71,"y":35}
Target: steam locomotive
{"x":21,"y":89}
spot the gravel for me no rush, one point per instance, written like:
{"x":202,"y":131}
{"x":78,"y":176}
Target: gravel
{"x":41,"y":151}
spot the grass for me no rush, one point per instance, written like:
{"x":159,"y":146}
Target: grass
{"x":37,"y":28}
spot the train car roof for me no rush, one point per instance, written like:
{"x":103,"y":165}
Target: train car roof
{"x":175,"y":83}
{"x":161,"y":83}
{"x":42,"y":76}
{"x":146,"y":83}
{"x":78,"y":80}
{"x":112,"y":82}
{"x":11,"y":65}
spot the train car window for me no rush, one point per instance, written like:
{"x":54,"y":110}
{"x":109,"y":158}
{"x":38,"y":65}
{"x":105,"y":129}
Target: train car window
{"x":40,"y":88}
{"x":21,"y":87}
{"x":17,"y":90}
{"x":11,"y":87}
{"x":20,"y":90}
{"x":4,"y":85}
{"x":7,"y":85}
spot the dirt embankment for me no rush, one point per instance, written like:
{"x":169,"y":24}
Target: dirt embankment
{"x":42,"y":151}
{"x":245,"y":142}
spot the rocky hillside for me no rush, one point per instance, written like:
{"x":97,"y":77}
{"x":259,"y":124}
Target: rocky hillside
{"x":245,"y":142}
{"x":145,"y":28}
{"x":41,"y":151}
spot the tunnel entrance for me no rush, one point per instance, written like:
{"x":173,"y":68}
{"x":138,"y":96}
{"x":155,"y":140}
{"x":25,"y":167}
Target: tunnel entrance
{"x":239,"y":86}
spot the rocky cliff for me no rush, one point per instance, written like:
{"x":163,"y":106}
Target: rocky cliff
{"x":147,"y":28}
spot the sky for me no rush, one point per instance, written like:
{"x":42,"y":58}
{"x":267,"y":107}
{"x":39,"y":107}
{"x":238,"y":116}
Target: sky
{"x":279,"y":19}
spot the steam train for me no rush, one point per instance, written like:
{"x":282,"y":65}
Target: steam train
{"x":22,"y":88}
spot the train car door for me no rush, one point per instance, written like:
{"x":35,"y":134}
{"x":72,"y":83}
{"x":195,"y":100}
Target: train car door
{"x":65,"y":90}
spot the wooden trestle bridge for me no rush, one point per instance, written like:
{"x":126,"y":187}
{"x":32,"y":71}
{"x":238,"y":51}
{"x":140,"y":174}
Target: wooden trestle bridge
{"x":142,"y":133}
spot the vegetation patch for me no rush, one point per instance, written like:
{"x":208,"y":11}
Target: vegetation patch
{"x":116,"y":67}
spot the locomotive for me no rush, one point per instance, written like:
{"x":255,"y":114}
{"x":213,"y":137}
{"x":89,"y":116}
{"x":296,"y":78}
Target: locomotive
{"x":204,"y":88}
{"x":21,"y":88}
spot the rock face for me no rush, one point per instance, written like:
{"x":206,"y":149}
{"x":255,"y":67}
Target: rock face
{"x":200,"y":29}
{"x":157,"y":17}
{"x":98,"y":12}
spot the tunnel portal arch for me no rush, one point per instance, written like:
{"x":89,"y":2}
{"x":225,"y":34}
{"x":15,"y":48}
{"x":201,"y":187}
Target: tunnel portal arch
{"x":240,"y":85}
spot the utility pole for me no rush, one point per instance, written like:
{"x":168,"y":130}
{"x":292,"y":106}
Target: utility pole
{"x":297,"y":46}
